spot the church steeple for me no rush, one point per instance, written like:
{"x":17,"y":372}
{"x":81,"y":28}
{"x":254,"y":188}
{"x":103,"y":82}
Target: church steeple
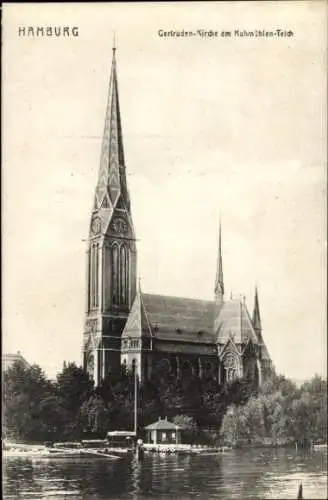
{"x":219,"y":285}
{"x":112,"y":178}
{"x":112,"y":253}
{"x":256,"y":315}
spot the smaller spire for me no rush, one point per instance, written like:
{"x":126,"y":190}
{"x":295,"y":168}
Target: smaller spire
{"x":256,"y":313}
{"x":114,"y":42}
{"x":219,"y":285}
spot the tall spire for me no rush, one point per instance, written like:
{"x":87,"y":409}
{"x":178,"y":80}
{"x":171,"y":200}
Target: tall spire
{"x":256,"y":314}
{"x":219,"y":285}
{"x":112,"y":177}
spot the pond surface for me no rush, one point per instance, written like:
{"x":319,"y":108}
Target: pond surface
{"x":251,"y":474}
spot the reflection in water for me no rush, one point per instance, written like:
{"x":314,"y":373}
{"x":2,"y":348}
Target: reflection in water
{"x":256,"y":474}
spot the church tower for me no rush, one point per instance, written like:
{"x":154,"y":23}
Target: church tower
{"x":111,"y":251}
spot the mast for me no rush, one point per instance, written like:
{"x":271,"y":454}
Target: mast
{"x":135,"y":401}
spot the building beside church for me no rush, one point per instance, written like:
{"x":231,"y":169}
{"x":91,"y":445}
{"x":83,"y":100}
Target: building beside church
{"x":8,"y":360}
{"x":149,"y":332}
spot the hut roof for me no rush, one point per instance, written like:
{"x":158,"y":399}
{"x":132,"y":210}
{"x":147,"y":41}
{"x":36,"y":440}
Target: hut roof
{"x":162,"y":425}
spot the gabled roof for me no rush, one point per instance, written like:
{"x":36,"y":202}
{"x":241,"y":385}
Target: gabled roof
{"x":179,"y":318}
{"x":182,"y":319}
{"x":133,"y":325}
{"x":171,"y":318}
{"x":234,"y":322}
{"x":162,"y":425}
{"x":229,"y":346}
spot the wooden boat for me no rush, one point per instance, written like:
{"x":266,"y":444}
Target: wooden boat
{"x":32,"y":452}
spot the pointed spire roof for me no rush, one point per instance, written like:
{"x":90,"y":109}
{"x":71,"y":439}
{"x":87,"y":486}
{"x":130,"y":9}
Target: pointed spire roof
{"x":219,"y":285}
{"x":112,"y":179}
{"x":256,"y":313}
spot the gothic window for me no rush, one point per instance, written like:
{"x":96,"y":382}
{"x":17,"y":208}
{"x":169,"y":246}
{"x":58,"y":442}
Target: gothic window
{"x":107,"y":276}
{"x":90,"y":365}
{"x":163,"y":369}
{"x":230,"y":365}
{"x":134,"y":365}
{"x":115,"y":275}
{"x":93,"y":276}
{"x":186,"y":369}
{"x":208,"y":370}
{"x":124,"y":275}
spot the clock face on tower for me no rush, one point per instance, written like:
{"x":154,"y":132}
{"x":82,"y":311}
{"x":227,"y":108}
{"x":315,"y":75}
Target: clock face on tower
{"x":95,"y":225}
{"x":119,"y":225}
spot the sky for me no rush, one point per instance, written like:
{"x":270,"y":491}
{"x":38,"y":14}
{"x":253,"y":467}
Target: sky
{"x":234,"y":127}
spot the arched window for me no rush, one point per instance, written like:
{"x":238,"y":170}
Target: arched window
{"x":186,"y":369}
{"x":93,"y":275}
{"x":230,"y":366}
{"x":134,"y":366}
{"x":115,"y":275}
{"x":107,"y":276}
{"x":124,"y":275}
{"x":208,"y":369}
{"x":162,"y":369}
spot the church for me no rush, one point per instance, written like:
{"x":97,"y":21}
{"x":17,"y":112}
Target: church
{"x":148,"y":332}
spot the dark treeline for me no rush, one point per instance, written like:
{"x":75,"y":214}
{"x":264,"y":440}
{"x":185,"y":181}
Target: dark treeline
{"x":37,"y":409}
{"x":280,"y":414}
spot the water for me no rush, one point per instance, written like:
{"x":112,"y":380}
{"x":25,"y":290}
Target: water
{"x":252,"y":474}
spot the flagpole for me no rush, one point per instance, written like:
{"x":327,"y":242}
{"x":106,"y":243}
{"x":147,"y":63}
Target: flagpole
{"x":135,"y":400}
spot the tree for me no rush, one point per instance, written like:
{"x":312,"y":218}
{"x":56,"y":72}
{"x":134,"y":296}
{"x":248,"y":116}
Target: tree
{"x":25,"y":394}
{"x":188,"y":425}
{"x":275,"y":419}
{"x":234,"y":428}
{"x":96,"y":416}
{"x":73,"y":387}
{"x":309,"y":412}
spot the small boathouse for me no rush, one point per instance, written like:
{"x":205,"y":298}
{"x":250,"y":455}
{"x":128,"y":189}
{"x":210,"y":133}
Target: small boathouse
{"x":163,"y":432}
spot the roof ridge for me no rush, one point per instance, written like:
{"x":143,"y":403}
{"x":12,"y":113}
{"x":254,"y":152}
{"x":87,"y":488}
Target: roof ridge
{"x":209,"y":301}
